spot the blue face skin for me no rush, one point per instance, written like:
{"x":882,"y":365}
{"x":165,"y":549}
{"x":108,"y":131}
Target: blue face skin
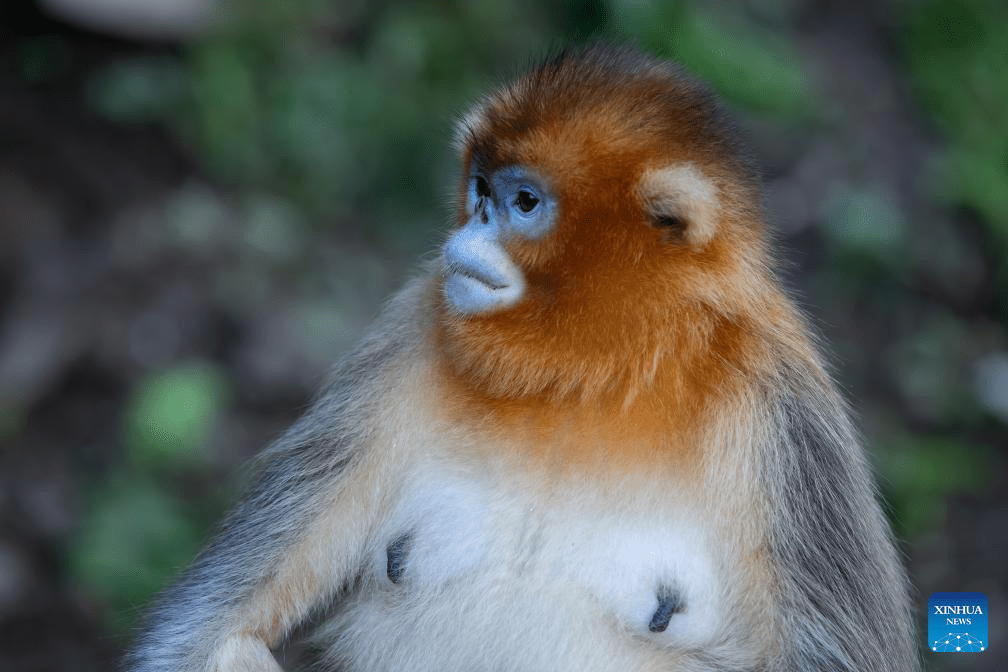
{"x":479,"y":277}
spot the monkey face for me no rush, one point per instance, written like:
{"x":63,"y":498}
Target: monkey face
{"x":478,"y":273}
{"x":603,"y":217}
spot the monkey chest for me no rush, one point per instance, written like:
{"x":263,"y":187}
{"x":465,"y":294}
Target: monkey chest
{"x":462,"y":562}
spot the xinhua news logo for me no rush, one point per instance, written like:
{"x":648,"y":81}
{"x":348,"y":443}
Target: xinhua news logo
{"x":957,"y":622}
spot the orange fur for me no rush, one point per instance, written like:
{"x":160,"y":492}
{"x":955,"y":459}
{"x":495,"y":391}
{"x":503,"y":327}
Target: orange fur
{"x":645,"y":333}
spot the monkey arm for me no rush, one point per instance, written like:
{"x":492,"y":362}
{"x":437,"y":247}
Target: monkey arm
{"x":287,"y":547}
{"x":297,"y":536}
{"x":839,"y":570}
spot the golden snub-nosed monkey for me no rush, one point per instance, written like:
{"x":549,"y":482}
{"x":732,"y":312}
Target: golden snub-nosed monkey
{"x":595,"y":435}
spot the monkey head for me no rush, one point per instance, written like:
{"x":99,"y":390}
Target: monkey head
{"x":607,"y":220}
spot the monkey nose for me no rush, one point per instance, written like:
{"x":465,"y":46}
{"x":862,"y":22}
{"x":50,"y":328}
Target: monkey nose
{"x":482,"y":210}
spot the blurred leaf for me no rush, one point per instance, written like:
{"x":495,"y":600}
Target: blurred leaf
{"x":579,"y":19}
{"x":315,"y":112}
{"x":171,"y":414}
{"x":274,"y":228}
{"x":931,"y":368}
{"x":344,"y":111}
{"x":1001,"y":289}
{"x":865,"y":220}
{"x":937,"y":465}
{"x":957,"y":51}
{"x":139,"y":90}
{"x":320,"y":330}
{"x":992,"y":384}
{"x":977,"y":177}
{"x":750,"y":67}
{"x":198,"y":219}
{"x":227,"y":110}
{"x":919,"y":472}
{"x":41,"y":57}
{"x":131,"y":540}
{"x":11,"y":422}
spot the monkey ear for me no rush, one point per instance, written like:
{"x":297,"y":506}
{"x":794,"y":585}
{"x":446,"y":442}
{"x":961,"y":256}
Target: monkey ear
{"x":468,"y":127}
{"x":682,"y":201}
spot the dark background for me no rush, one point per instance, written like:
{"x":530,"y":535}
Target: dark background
{"x":199,"y":212}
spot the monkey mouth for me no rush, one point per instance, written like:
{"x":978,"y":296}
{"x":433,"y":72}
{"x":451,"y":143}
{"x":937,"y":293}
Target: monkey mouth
{"x":462,"y":273}
{"x":477,"y":276}
{"x":470,"y":291}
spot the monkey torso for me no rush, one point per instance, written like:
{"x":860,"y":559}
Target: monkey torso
{"x":486,"y":571}
{"x":510,"y":537}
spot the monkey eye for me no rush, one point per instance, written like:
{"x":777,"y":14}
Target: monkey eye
{"x":482,"y":186}
{"x":527,"y":201}
{"x":673,"y":227}
{"x":669,"y":222}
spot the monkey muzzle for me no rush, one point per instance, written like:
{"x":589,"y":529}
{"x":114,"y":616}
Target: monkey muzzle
{"x":477,"y":274}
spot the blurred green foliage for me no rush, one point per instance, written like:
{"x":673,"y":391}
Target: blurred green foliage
{"x":957,"y":57}
{"x":171,"y":415}
{"x":867,"y":229}
{"x":11,"y":422}
{"x":957,"y":54}
{"x":922,"y":471}
{"x":754,"y":67}
{"x":347,"y":109}
{"x":344,"y":108}
{"x":139,"y":526}
{"x":312,"y":111}
{"x":134,"y":535}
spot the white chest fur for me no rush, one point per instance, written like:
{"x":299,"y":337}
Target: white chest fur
{"x":480,"y":568}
